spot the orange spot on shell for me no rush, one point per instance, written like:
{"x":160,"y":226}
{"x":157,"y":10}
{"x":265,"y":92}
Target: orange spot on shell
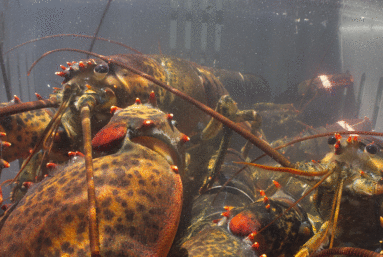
{"x":175,"y":169}
{"x":276,"y":184}
{"x":147,"y":123}
{"x":5,"y":144}
{"x":170,"y":116}
{"x":252,"y":235}
{"x":38,"y":96}
{"x":60,"y":73}
{"x":4,"y":164}
{"x":16,"y":99}
{"x":185,"y":138}
{"x":51,"y":165}
{"x":255,"y":246}
{"x":153,"y":99}
{"x":113,"y":109}
{"x":77,"y":153}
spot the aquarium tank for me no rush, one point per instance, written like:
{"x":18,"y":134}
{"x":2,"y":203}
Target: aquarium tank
{"x":153,"y":174}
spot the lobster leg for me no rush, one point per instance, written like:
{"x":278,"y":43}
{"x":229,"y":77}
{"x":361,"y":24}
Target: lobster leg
{"x":227,"y":107}
{"x":214,"y":172}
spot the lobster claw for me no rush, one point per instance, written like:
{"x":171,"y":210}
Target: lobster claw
{"x":110,"y":137}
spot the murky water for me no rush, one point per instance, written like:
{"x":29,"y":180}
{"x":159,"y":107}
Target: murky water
{"x":282,"y":43}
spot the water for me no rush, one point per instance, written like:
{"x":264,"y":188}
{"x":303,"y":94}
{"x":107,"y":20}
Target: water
{"x":283,"y":42}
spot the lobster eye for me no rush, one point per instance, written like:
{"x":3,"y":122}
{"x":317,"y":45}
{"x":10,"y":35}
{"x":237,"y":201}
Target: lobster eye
{"x":101,"y":70}
{"x":372,"y":149}
{"x":174,"y":123}
{"x":331,"y":140}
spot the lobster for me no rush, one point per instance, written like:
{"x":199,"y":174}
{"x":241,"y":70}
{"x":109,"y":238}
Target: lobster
{"x":357,"y":180}
{"x":216,"y":228}
{"x":52,"y":217}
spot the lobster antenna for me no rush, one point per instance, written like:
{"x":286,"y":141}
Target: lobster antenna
{"x":74,"y":35}
{"x":92,"y":212}
{"x":8,"y":90}
{"x":264,"y":146}
{"x":99,"y":25}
